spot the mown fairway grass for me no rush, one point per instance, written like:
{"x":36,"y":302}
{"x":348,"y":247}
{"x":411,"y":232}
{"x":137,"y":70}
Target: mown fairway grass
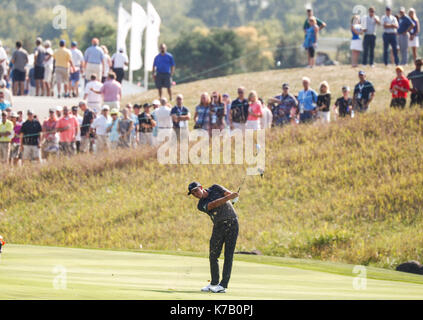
{"x":32,"y":272}
{"x":350,"y":192}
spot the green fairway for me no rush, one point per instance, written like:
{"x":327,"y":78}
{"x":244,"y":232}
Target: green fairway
{"x":32,"y":272}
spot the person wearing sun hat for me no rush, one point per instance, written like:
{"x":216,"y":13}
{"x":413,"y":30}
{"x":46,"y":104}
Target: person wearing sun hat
{"x":112,"y":129}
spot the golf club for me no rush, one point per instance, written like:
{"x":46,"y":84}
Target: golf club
{"x":259,"y":170}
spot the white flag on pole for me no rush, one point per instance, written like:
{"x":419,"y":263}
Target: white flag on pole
{"x":139,"y":22}
{"x":152,"y":36}
{"x":124,"y":24}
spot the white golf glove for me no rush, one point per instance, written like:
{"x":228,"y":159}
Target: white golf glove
{"x":235,"y":200}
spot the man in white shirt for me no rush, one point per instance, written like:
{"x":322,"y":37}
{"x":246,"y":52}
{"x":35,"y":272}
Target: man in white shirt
{"x":99,"y":127}
{"x":119,"y":61}
{"x":3,"y":61}
{"x":78,"y":62}
{"x":390,"y":26}
{"x":93,"y":98}
{"x":164,"y":121}
{"x":369,"y":42}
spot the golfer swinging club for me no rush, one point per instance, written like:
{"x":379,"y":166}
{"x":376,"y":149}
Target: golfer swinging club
{"x":216,"y":202}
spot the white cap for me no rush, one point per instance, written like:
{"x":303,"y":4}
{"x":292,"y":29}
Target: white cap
{"x":105,"y":107}
{"x":156,"y":102}
{"x":59,"y":108}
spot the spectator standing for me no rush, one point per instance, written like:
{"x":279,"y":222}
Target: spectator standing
{"x":107,"y":63}
{"x":111,"y":91}
{"x":356,"y":41}
{"x":19,"y":61}
{"x":405,"y":25}
{"x":307,"y":99}
{"x":68,"y":129}
{"x":369,"y":43}
{"x":59,"y":111}
{"x":20,"y":117}
{"x":39,"y":58}
{"x":163,"y":119}
{"x":8,"y":96}
{"x":146,"y":125}
{"x":50,"y":141}
{"x":119,"y":61}
{"x":399,"y":89}
{"x":416,"y":78}
{"x":239,"y":111}
{"x":202,"y":113}
{"x":283,"y":105}
{"x":323,"y":102}
{"x":3,"y":62}
{"x":163,"y":71}
{"x":390,"y":26}
{"x":94,"y":59}
{"x":93,"y":94}
{"x":30,"y":139}
{"x":78,"y":62}
{"x":48,"y":69}
{"x":134,"y":118}
{"x":156,"y":105}
{"x":63,"y":59}
{"x":125,"y":127}
{"x":310,"y":42}
{"x":267,"y":120}
{"x":414,"y":43}
{"x":364,"y":93}
{"x":16,"y":140}
{"x":180,"y":117}
{"x":135,"y":115}
{"x":99,"y":127}
{"x":78,"y":135}
{"x":6,"y":135}
{"x":254,"y":112}
{"x":4,"y":104}
{"x":112,"y":129}
{"x":344,"y":104}
{"x":217,"y":112}
{"x":321,"y":24}
{"x":87,"y":120}
{"x":227,"y":102}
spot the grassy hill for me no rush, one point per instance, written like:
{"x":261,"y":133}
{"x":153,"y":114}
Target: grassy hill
{"x":349,"y":192}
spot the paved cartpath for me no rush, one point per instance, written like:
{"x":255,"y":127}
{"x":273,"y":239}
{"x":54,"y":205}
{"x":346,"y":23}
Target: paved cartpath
{"x":41,"y":105}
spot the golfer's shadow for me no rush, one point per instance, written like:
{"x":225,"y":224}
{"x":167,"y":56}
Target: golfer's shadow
{"x":174,"y":291}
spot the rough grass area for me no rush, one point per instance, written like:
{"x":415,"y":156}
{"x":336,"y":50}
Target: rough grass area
{"x":349,"y":192}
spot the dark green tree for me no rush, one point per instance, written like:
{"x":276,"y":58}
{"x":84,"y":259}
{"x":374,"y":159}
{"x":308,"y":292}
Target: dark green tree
{"x":104,"y":32}
{"x":200,"y":56}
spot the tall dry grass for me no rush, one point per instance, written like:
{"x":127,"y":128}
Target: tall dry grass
{"x":351,"y":191}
